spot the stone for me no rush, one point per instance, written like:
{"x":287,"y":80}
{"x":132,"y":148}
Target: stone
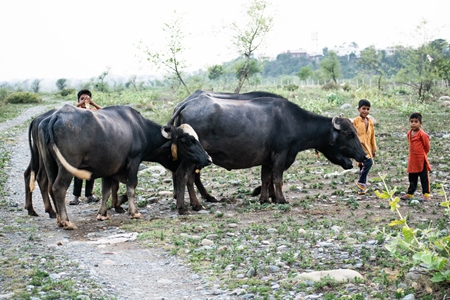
{"x":341,"y":275}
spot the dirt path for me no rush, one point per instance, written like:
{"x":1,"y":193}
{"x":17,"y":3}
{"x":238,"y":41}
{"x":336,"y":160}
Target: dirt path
{"x":97,"y":254}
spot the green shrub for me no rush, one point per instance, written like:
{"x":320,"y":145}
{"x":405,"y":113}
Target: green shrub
{"x":330,"y":86}
{"x":335,"y":99}
{"x":427,"y":249}
{"x":3,"y":94}
{"x":23,"y":97}
{"x":66,"y":92}
{"x":291,"y":87}
{"x":346,"y":87}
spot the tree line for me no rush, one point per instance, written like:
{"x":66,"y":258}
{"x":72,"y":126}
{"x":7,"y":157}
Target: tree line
{"x":416,"y":67}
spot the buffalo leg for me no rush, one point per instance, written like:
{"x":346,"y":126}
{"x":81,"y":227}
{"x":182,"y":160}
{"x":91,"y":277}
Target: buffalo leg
{"x":184,"y":174}
{"x":116,"y":203}
{"x":102,"y":213}
{"x":190,"y":187}
{"x":29,"y":180}
{"x":59,"y":188}
{"x":278,"y":183}
{"x":257,"y":191}
{"x":202,"y":190}
{"x":131,"y":191}
{"x":42,"y":180}
{"x":266,"y":180}
{"x":174,"y":182}
{"x":196,"y":205}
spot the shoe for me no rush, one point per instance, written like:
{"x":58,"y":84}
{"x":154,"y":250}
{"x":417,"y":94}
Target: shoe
{"x":407,"y":197}
{"x":361,"y":186}
{"x":92,"y":199}
{"x":425,"y":198}
{"x":75,"y":201}
{"x":361,"y":192}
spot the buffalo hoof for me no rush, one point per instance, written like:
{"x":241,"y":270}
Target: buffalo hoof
{"x":282,"y":202}
{"x":137,"y":215}
{"x":52,"y":214}
{"x":32,"y":213}
{"x":256,"y":191}
{"x":267,"y":201}
{"x":183,"y":212}
{"x":119,"y":210}
{"x":58,"y":221}
{"x":212,"y":199}
{"x":69,"y":226}
{"x":197,"y":207}
{"x":102,"y":218}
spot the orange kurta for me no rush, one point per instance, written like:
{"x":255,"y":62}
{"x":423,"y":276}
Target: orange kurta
{"x":419,"y":146}
{"x":366,"y":137}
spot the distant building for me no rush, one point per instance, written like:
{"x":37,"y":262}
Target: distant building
{"x":346,"y":50}
{"x":297,"y":53}
{"x":389,"y":50}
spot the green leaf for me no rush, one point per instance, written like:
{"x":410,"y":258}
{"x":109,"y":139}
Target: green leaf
{"x":437,"y":277}
{"x":408,"y":233}
{"x":383,"y":195}
{"x":394,"y":204}
{"x":397,"y":222}
{"x":445,"y":204}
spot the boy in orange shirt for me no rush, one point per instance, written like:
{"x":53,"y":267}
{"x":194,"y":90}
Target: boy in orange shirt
{"x":366,"y":135}
{"x":418,"y":165}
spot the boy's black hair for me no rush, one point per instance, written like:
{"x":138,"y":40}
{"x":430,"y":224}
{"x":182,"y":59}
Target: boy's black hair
{"x":363,"y":102}
{"x":416,"y":115}
{"x":84,"y":92}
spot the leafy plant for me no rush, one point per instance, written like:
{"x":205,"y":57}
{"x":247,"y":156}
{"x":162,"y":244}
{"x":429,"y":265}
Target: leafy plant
{"x":420,"y":247}
{"x":23,"y":97}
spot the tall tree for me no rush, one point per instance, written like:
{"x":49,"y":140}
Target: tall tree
{"x":305,"y":73}
{"x":441,"y":59}
{"x":418,"y":70}
{"x":132,"y":81}
{"x":250,"y":68}
{"x":35,"y":85}
{"x":101,"y":85}
{"x":371,"y":60}
{"x":249,"y":36}
{"x":215,"y":72}
{"x":330,"y":66}
{"x":61,"y":83}
{"x":170,"y":58}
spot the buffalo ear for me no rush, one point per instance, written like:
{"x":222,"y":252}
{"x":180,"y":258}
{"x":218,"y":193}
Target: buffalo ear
{"x":334,"y":136}
{"x":174,"y":150}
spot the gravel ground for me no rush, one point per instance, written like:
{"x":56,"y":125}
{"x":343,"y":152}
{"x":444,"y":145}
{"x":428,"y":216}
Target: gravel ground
{"x":105,"y":262}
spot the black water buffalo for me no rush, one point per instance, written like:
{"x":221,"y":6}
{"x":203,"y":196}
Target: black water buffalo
{"x":245,"y":130}
{"x":36,"y":171}
{"x":111,"y":143}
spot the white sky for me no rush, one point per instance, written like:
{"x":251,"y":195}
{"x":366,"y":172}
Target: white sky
{"x":50,"y":39}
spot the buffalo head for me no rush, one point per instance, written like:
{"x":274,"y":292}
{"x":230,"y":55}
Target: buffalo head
{"x":344,"y":144}
{"x":185,"y":145}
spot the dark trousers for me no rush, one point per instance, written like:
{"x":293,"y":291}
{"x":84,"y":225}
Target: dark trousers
{"x":424,"y":181}
{"x":77,"y":185}
{"x":364,"y":170}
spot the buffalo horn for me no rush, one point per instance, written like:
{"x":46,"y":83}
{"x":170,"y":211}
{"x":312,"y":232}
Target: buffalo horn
{"x":336,"y":125}
{"x":164,"y":133}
